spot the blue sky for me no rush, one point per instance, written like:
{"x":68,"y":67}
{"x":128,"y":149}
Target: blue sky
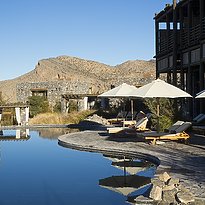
{"x":107,"y":31}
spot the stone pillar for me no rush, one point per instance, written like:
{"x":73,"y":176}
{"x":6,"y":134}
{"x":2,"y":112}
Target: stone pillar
{"x":18,"y":134}
{"x":63,"y":105}
{"x":27,"y":132}
{"x":18,"y":115}
{"x":85,"y":103}
{"x":1,"y":110}
{"x":26,"y":115}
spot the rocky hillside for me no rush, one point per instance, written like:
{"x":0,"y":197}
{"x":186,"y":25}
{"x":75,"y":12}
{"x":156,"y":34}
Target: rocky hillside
{"x":65,"y":68}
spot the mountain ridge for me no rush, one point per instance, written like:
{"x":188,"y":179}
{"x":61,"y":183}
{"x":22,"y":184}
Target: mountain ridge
{"x":74,"y":69}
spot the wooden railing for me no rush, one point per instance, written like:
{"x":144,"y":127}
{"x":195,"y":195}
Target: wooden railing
{"x":165,"y":41}
{"x":194,"y":35}
{"x":186,"y":37}
{"x":203,"y":26}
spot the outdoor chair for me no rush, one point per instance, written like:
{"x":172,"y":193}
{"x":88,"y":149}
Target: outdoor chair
{"x":137,"y":116}
{"x":129,"y":115}
{"x":199,"y":119}
{"x":172,"y":129}
{"x":176,"y":132}
{"x":119,"y":118}
{"x":138,"y":126}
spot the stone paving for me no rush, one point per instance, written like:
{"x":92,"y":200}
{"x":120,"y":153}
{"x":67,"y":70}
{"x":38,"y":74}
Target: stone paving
{"x":186,"y":162}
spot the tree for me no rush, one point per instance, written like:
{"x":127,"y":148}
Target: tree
{"x":166,"y":115}
{"x":38,"y":104}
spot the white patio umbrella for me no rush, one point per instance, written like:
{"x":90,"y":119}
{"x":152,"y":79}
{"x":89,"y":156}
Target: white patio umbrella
{"x":200,"y":94}
{"x":121,"y":91}
{"x":132,"y":167}
{"x":128,"y":165}
{"x":124,"y":184}
{"x":159,"y":89}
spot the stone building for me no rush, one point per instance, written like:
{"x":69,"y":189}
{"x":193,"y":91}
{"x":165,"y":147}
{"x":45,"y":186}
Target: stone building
{"x":56,"y":91}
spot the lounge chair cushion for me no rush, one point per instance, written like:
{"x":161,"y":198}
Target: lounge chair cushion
{"x":173,"y":128}
{"x":198,"y":117}
{"x":183,"y":127}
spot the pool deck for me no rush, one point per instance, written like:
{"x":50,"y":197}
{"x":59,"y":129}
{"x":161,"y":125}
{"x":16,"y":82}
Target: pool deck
{"x":186,"y":162}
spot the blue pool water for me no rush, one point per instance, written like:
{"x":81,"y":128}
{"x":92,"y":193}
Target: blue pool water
{"x":37,"y":171}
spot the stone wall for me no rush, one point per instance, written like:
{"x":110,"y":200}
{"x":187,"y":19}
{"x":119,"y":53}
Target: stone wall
{"x":54,"y":89}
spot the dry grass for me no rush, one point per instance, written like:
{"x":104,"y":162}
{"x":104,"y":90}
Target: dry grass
{"x":59,"y":118}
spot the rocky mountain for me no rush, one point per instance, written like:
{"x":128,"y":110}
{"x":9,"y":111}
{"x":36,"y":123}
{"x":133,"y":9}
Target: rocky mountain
{"x":66,"y":68}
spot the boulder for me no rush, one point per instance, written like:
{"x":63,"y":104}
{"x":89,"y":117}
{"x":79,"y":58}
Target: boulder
{"x":156,"y":193}
{"x":143,"y":200}
{"x":155,"y":181}
{"x":184,"y":197}
{"x":173,"y":181}
{"x":164,"y":177}
{"x":168,"y":187}
{"x":169,"y":196}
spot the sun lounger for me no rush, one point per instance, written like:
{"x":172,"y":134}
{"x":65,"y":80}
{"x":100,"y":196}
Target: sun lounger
{"x":119,"y":118}
{"x":131,"y":116}
{"x":140,"y":126}
{"x":199,"y":119}
{"x":177,"y":132}
{"x":174,"y":127}
{"x":137,"y":117}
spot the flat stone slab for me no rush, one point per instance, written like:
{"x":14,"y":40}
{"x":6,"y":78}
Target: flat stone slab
{"x":186,"y":162}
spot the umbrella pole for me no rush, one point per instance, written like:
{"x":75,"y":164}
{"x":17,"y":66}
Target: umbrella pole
{"x":124,"y":173}
{"x":132,"y":109}
{"x":157,"y":114}
{"x":124,"y":112}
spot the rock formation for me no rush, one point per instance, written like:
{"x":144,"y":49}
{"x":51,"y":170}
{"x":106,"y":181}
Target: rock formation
{"x":72,"y":69}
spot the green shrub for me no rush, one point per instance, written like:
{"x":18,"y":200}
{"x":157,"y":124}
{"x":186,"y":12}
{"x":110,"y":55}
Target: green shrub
{"x":57,"y":107}
{"x":38,"y":104}
{"x":166,"y":112}
{"x":72,"y":106}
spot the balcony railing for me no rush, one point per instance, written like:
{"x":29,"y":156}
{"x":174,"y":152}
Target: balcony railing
{"x":185,"y":38}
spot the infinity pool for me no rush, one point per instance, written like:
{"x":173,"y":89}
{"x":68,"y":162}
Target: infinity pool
{"x":35,"y":170}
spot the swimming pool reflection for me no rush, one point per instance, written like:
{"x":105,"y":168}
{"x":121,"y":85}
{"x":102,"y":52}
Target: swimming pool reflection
{"x":135,"y":179}
{"x":14,"y":135}
{"x":54,"y":133}
{"x":124,"y":184}
{"x":132,"y":166}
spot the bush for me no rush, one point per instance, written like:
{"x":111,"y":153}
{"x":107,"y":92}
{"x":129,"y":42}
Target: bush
{"x":38,"y":104}
{"x":57,"y":107}
{"x":166,"y":113}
